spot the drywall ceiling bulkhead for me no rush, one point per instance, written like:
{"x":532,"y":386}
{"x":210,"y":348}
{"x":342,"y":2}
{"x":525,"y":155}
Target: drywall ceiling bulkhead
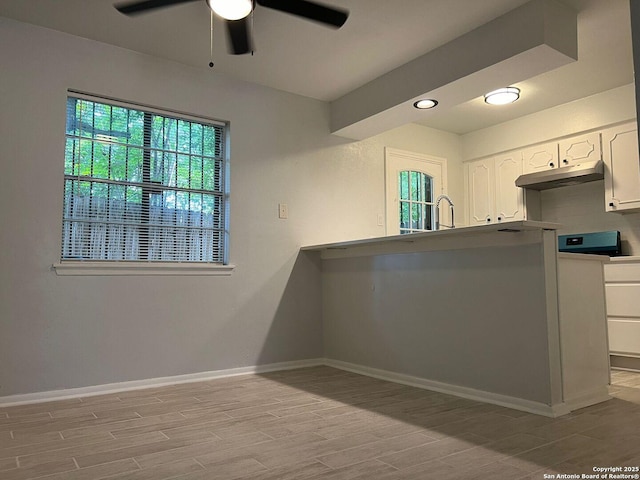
{"x":537,"y":37}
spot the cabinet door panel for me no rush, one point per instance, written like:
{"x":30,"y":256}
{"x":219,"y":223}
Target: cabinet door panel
{"x":622,"y":172}
{"x":623,"y":273}
{"x":540,"y":157}
{"x":624,"y":336}
{"x":509,"y":198}
{"x":581,"y":148}
{"x":623,"y":300}
{"x":481,"y":181}
{"x":622,"y":290}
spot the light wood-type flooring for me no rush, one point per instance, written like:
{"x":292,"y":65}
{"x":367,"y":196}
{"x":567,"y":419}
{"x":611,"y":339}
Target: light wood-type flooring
{"x":313,"y":423}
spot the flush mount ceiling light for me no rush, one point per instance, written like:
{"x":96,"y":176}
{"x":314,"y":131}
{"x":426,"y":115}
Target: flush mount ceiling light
{"x":231,"y":9}
{"x":502,"y":96}
{"x":425,"y":104}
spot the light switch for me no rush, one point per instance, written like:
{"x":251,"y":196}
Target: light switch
{"x":283,"y":210}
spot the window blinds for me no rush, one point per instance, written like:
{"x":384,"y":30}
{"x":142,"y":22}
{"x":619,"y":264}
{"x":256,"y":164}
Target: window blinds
{"x":142,"y":185}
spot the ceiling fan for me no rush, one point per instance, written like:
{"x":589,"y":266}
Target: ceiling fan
{"x":236,"y":15}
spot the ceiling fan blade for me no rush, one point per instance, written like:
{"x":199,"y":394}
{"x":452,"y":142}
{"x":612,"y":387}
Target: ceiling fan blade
{"x":239,"y":36}
{"x":133,"y":8}
{"x":332,"y":17}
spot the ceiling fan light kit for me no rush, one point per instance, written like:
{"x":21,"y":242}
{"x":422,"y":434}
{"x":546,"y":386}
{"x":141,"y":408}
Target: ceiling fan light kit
{"x":231,"y":9}
{"x":235,"y":13}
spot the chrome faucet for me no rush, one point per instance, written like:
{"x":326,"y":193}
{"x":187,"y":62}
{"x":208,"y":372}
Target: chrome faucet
{"x":438,"y":200}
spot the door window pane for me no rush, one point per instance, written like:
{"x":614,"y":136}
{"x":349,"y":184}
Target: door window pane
{"x":416,"y":201}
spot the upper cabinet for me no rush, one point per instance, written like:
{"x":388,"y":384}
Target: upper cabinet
{"x":622,"y":168}
{"x":509,"y":205}
{"x":491,"y":192}
{"x":580,"y":148}
{"x":564,"y":153}
{"x":540,"y":157}
{"x":490,"y":182}
{"x":480,"y":191}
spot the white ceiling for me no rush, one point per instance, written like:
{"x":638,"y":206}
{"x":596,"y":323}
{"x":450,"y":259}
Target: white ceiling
{"x":308,"y":59}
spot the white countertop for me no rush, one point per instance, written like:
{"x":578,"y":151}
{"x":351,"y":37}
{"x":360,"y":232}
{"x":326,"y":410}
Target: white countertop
{"x":583,"y":256}
{"x":462,"y":237}
{"x":523,"y":225}
{"x":623,"y":259}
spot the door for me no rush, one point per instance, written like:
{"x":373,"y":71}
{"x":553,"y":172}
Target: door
{"x":413,"y":183}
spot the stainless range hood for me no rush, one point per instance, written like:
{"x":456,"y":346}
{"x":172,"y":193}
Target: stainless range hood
{"x":563,"y":176}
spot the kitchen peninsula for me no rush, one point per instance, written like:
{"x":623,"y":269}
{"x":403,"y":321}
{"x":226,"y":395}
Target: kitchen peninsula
{"x":491,"y":312}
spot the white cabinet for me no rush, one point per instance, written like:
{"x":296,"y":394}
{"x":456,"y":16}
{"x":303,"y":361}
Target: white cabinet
{"x":563,"y":153}
{"x":480,"y":191}
{"x":509,"y":199}
{"x":622,"y":286}
{"x":540,"y":157}
{"x":622,"y":168}
{"x":492,"y":194}
{"x":580,"y":148}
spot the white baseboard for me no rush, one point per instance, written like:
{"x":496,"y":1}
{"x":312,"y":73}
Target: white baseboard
{"x":464,"y":392}
{"x":52,"y":395}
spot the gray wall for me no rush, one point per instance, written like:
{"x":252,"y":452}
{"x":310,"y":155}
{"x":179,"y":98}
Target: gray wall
{"x":62,"y":332}
{"x":465,"y":317}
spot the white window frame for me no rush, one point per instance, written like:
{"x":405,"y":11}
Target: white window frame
{"x":156,"y":267}
{"x":400,"y":160}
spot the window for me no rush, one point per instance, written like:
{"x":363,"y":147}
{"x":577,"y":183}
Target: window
{"x":416,"y":201}
{"x":413,"y":182}
{"x":142,"y":185}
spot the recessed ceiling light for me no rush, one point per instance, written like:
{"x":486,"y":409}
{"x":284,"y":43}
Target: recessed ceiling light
{"x":502,"y":96}
{"x":425,"y":103}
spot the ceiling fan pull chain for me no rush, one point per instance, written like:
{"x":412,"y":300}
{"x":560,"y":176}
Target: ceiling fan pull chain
{"x":252,"y":11}
{"x":211,"y":40}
